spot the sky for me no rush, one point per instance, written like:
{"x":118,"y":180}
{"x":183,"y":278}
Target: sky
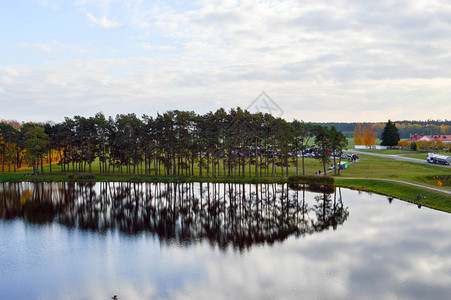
{"x":318,"y":60}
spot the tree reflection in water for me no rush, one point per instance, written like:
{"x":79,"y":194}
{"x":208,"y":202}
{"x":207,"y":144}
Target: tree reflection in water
{"x":240,"y":215}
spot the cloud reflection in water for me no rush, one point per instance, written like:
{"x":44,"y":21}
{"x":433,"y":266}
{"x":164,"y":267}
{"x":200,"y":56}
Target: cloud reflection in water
{"x":184,"y":249}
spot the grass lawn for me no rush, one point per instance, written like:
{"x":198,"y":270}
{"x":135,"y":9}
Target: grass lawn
{"x":417,"y":155}
{"x":377,"y":167}
{"x":385,"y":151}
{"x":311,"y":166}
{"x":406,"y":153}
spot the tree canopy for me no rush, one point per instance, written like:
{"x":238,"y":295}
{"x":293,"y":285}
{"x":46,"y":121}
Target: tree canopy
{"x":390,"y":135}
{"x":36,"y":143}
{"x":236,"y":143}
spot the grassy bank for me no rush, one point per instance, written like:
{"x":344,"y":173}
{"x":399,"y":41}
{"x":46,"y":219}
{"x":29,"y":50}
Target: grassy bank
{"x":368,"y":167}
{"x":83,"y":177}
{"x":407,"y":193}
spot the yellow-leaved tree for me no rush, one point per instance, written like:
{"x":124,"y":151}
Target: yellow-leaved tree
{"x":358,"y":135}
{"x":369,"y":136}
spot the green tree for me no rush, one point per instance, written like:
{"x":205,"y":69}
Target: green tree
{"x":302,"y":135}
{"x":284,"y":133}
{"x":8,"y":138}
{"x":390,"y":135}
{"x":128,"y":141}
{"x":323,"y":142}
{"x":36,"y":143}
{"x":50,"y":130}
{"x":338,"y":143}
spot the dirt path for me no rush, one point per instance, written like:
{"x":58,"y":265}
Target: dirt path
{"x":437,"y":189}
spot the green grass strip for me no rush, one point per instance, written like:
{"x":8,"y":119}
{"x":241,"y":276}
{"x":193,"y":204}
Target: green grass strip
{"x":432,"y":199}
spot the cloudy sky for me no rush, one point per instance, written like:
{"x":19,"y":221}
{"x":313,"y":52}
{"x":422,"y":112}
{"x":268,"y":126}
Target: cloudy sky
{"x":318,"y":60}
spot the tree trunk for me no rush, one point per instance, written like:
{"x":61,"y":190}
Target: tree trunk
{"x":244,"y":165}
{"x":288,"y":162}
{"x":249,"y":158}
{"x":303,"y":166}
{"x":335,"y":165}
{"x":174,"y":167}
{"x":9,"y":157}
{"x":281,"y":163}
{"x":35,"y":167}
{"x":3,"y":158}
{"x":297,"y":163}
{"x":72,"y":157}
{"x":63,"y":163}
{"x":274,"y":168}
{"x":17,"y":159}
{"x":256,"y":157}
{"x":208,"y":164}
{"x":200,"y":164}
{"x":223,"y":167}
{"x":50,"y":160}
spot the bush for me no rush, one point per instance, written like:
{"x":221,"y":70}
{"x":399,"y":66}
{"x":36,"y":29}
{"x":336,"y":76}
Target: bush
{"x":313,"y":187}
{"x":443,"y":180}
{"x":311,"y":179}
{"x":137,"y":179}
{"x":86,"y":177}
{"x":413,"y":146}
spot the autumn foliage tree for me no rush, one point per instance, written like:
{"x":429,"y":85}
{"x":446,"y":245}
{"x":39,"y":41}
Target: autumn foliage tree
{"x":358,"y":135}
{"x":369,"y":136}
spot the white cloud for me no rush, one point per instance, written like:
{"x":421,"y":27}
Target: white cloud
{"x":55,"y":48}
{"x":346,"y":61}
{"x":104,"y":22}
{"x":46,"y":48}
{"x":158,"y":47}
{"x":53,"y":4}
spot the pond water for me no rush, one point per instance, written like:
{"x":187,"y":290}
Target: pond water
{"x":217,"y":241}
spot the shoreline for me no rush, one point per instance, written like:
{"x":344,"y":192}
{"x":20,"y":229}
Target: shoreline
{"x":429,"y":198}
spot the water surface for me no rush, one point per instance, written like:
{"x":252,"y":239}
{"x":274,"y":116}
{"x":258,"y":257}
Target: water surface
{"x":221,"y":241}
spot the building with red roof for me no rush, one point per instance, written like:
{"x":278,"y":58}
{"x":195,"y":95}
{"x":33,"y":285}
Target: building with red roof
{"x":428,"y":138}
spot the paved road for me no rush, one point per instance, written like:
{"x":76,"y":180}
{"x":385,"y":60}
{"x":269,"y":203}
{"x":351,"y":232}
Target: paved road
{"x":401,"y":158}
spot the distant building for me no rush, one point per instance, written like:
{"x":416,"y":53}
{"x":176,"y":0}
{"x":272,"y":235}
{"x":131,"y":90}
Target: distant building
{"x":378,"y":147}
{"x":428,"y":138}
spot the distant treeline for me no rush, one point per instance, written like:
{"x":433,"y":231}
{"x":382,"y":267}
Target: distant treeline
{"x":405,"y":128}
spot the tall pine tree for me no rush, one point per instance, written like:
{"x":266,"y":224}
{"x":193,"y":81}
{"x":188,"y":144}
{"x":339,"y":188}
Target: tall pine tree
{"x":390,"y":135}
